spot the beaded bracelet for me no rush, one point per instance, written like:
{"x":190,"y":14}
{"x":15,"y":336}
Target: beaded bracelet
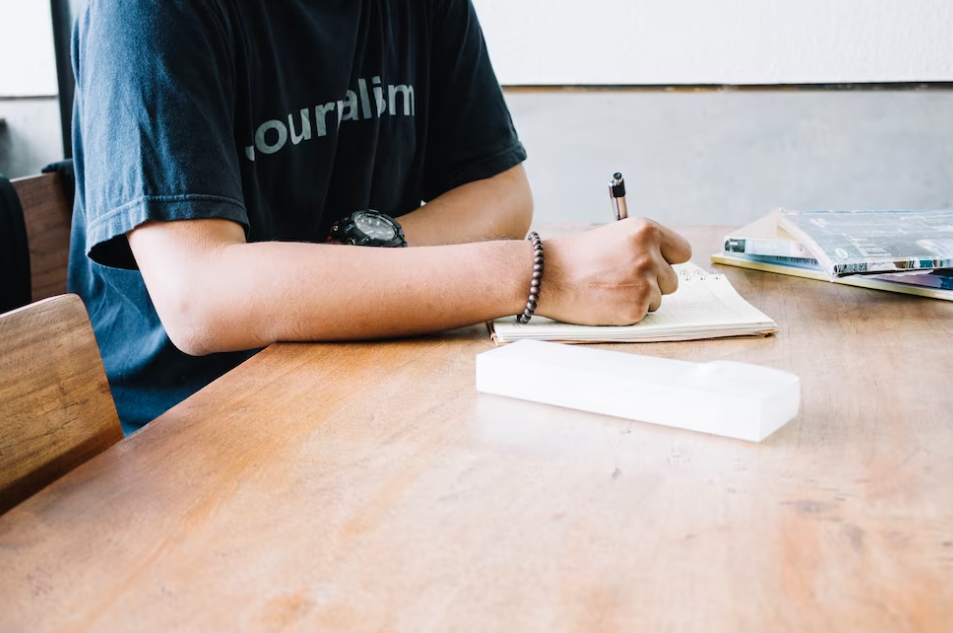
{"x":537,"y":279}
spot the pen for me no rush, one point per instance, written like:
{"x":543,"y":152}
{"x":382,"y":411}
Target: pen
{"x":617,"y":197}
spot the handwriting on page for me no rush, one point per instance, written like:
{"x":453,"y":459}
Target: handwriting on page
{"x":696,"y":303}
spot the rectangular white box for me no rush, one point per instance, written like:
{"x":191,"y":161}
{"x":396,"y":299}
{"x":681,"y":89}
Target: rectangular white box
{"x":726,"y":398}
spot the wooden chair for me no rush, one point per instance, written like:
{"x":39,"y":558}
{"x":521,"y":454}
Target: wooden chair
{"x":48,"y":215}
{"x":56,"y":411}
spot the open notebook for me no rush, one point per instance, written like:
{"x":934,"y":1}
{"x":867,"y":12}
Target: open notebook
{"x":704,"y":306}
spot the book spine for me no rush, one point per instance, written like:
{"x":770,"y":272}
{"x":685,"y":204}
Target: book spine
{"x":765,"y":247}
{"x":765,"y":265}
{"x":802,"y":262}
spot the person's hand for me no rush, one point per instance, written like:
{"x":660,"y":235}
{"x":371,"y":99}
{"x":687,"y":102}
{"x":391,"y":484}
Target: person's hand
{"x":612,"y":275}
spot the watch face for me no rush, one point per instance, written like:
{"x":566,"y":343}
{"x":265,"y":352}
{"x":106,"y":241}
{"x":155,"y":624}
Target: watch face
{"x":374,"y":227}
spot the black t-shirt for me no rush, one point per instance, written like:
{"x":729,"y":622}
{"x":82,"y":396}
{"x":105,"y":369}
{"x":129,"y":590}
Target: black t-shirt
{"x":281,"y":115}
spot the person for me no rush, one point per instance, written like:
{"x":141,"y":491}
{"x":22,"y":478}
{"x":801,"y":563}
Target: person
{"x":218,"y":143}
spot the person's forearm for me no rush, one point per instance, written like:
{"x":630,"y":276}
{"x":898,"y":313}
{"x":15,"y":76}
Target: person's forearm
{"x":251,"y":295}
{"x":497,"y":208}
{"x":215,"y":293}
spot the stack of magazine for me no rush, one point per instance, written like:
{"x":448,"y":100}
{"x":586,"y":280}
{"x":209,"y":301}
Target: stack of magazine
{"x":910,"y":252}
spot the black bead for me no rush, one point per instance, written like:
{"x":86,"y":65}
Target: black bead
{"x":537,"y":277}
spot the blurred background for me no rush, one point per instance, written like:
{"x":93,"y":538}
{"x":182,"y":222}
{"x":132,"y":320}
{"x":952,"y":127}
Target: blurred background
{"x":716,"y":111}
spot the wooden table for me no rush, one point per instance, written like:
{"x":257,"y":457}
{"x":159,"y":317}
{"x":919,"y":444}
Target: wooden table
{"x":368,"y":487}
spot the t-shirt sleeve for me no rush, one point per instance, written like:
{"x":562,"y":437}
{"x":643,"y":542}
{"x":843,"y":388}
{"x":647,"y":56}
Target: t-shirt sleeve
{"x":154,"y":119}
{"x":472,"y":134}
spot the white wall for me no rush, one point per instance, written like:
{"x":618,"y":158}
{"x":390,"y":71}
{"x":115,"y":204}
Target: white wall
{"x":728,"y":157}
{"x":32,"y":136}
{"x":645,"y":42}
{"x":27,"y":63}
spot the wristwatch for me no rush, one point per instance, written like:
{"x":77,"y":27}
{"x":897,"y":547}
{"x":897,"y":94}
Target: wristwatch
{"x":368,"y":228}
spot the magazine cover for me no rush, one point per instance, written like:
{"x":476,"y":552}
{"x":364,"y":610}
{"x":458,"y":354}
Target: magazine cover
{"x":871,"y":242}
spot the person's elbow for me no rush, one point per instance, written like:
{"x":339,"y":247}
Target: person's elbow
{"x":185,"y":272}
{"x":201,"y":317}
{"x":189,"y":323}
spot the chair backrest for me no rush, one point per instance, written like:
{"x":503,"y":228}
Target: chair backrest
{"x":48,"y":215}
{"x":56,"y":410}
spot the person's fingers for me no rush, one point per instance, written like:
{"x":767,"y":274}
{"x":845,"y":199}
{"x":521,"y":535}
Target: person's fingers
{"x":667,"y":279}
{"x":654,"y":296}
{"x":674,"y":248}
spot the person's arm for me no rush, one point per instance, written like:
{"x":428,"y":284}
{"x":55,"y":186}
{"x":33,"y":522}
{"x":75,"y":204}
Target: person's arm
{"x":494,"y":208}
{"x":214,"y":292}
{"x":472,"y":179}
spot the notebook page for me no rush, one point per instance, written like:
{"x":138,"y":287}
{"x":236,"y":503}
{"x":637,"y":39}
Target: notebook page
{"x":702,"y":305}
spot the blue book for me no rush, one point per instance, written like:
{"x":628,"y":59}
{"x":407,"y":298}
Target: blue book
{"x":873,"y":242}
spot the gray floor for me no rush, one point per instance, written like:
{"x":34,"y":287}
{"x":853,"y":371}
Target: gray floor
{"x":730,"y":157}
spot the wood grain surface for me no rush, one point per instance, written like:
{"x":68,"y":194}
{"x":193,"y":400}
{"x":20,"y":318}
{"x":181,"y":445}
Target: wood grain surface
{"x":48,"y":218}
{"x":56,"y":411}
{"x":368,"y":487}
